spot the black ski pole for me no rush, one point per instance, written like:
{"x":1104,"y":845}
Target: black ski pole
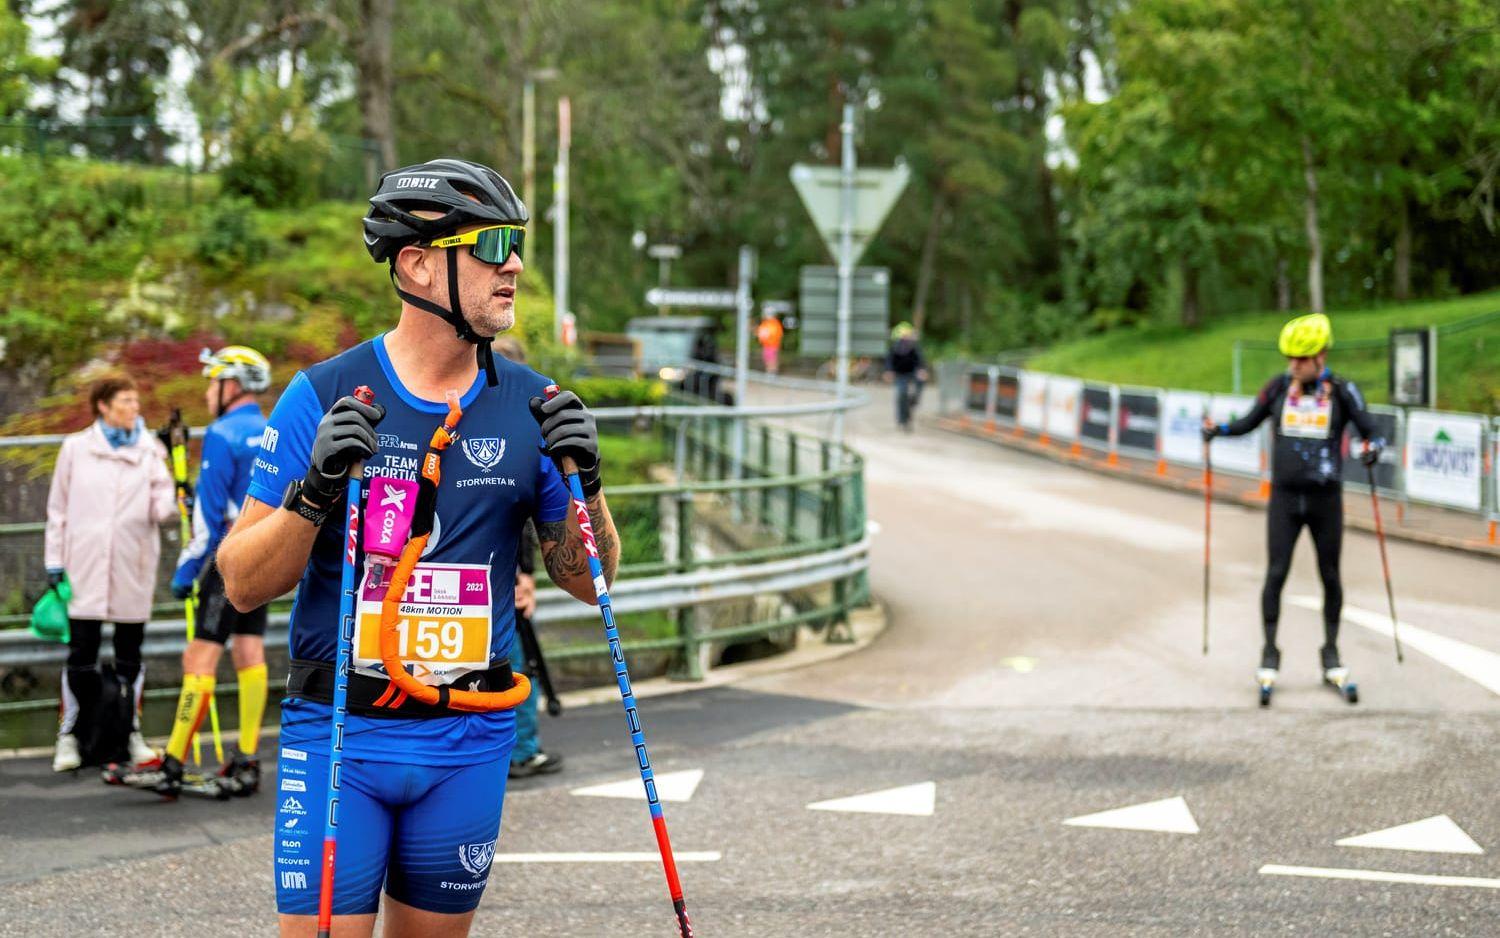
{"x":536,"y":663}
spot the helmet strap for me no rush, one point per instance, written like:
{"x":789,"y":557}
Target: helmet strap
{"x":453,"y":317}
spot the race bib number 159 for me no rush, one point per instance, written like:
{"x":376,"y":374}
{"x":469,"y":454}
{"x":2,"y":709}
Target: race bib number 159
{"x":444,"y":628}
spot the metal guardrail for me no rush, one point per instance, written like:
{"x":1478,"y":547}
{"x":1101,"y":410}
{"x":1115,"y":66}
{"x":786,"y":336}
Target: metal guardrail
{"x":795,"y":488}
{"x":1057,"y":409}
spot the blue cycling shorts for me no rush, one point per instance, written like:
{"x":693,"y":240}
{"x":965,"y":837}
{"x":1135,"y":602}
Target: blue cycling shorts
{"x":424,"y":833}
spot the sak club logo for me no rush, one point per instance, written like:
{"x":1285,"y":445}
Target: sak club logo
{"x":484,"y":451}
{"x":476,"y":857}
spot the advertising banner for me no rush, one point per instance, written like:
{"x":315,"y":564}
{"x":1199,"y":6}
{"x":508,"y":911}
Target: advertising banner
{"x":1445,"y":458}
{"x":1096,"y":416}
{"x":976,"y":390}
{"x":1390,"y":461}
{"x":1007,"y":396}
{"x":1138,"y":420}
{"x":1235,"y":453}
{"x":1032,"y":412}
{"x":1064,"y":396}
{"x":1182,"y":426}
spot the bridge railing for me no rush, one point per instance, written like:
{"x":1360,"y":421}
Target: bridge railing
{"x":744,"y":508}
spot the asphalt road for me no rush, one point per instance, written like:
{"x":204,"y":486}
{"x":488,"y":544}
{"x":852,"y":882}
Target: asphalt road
{"x":1042,"y":664}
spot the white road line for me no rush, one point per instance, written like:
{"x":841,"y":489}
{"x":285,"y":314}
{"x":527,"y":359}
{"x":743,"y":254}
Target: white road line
{"x":1480,"y":666}
{"x":1377,"y":876}
{"x":917,"y":800}
{"x":706,"y":856}
{"x":670,"y":786}
{"x":1169,"y":816}
{"x":1437,"y":834}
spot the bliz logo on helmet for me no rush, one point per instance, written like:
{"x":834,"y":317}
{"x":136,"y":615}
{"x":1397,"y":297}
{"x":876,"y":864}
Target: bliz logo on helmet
{"x":417,"y":182}
{"x":476,"y":857}
{"x":484,"y":451}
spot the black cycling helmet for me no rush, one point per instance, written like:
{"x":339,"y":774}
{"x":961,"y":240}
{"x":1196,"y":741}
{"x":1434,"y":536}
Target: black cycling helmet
{"x":466,"y":194}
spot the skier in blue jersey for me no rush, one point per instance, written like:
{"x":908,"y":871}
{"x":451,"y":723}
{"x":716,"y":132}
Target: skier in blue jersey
{"x":421,"y":784}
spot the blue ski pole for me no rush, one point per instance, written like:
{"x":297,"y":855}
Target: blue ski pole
{"x":341,"y":685}
{"x":627,"y":696}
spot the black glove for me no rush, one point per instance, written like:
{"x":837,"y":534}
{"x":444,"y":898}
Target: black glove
{"x":55,"y":578}
{"x":346,"y":435}
{"x":1210,"y":431}
{"x":568,"y":431}
{"x":1372,"y":451}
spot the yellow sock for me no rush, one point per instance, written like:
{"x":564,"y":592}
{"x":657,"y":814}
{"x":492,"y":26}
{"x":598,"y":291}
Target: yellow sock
{"x":192,"y":704}
{"x":252,"y":706}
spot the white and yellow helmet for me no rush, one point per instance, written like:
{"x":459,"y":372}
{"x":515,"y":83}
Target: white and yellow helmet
{"x":240,"y":362}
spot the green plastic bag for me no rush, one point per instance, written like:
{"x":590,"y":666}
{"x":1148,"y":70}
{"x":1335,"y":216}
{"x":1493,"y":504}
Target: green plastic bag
{"x":49,"y":617}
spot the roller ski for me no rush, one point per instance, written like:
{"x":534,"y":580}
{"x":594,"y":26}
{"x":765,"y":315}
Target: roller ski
{"x":1336,"y":676}
{"x":240,"y":776}
{"x":164,"y":778}
{"x":1266,"y":674}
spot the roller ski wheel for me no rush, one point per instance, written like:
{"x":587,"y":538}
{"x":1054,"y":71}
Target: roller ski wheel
{"x":1266,"y":678}
{"x":240,"y":776}
{"x":164,"y":778}
{"x":1338,"y":679}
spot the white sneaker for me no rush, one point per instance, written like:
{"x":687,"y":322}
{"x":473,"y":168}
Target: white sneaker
{"x":139,"y":751}
{"x":66,"y":759}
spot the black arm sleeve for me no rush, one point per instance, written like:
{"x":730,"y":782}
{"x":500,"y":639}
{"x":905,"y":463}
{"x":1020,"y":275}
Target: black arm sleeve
{"x":526,"y":553}
{"x":1259,"y":411}
{"x":1354,"y":406}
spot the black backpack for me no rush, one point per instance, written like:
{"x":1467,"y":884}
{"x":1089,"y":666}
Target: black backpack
{"x":106,"y":715}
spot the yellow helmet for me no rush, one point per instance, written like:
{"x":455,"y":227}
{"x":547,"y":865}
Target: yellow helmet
{"x":902,"y":330}
{"x":1306,"y":336}
{"x":240,"y":362}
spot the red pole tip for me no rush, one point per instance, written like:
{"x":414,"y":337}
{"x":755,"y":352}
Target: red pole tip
{"x":551,"y":391}
{"x":364,"y":395}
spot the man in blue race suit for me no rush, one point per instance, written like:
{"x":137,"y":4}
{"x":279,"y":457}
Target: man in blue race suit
{"x":421,"y":786}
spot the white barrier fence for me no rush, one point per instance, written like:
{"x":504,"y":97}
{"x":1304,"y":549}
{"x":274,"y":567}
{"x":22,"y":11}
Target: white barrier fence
{"x":1441,"y":458}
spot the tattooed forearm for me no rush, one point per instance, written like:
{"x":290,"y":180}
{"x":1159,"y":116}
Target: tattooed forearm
{"x":562,"y":553}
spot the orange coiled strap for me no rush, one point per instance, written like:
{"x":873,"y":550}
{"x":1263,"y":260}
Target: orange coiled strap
{"x":390,"y":652}
{"x":390,"y":607}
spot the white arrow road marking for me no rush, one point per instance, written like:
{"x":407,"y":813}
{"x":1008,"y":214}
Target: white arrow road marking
{"x":1480,"y":666}
{"x":1377,"y":876}
{"x":917,"y":800}
{"x":670,"y":786}
{"x":706,"y":856}
{"x":1433,"y":835}
{"x":1170,"y":816}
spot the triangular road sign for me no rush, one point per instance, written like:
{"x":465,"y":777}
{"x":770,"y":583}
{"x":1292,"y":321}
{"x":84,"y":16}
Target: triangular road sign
{"x":1170,"y":815}
{"x":1433,"y":835}
{"x":875,"y":192}
{"x":917,"y":800}
{"x":670,"y":786}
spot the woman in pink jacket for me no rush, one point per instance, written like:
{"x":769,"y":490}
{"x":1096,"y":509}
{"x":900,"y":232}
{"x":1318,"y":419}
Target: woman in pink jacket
{"x":110,"y":494}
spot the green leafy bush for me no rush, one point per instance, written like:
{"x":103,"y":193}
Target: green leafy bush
{"x":228,"y":235}
{"x":276,"y":149}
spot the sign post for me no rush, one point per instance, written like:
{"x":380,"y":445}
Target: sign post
{"x":847,"y":207}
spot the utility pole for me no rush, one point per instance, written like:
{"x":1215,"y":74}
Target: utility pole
{"x":560,"y":219}
{"x":846,"y":263}
{"x":528,"y":144}
{"x":528,"y":134}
